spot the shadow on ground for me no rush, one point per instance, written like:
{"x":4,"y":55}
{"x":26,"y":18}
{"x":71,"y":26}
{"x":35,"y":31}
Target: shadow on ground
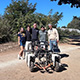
{"x":63,"y":67}
{"x":77,"y":44}
{"x":75,"y":40}
{"x":64,"y":55}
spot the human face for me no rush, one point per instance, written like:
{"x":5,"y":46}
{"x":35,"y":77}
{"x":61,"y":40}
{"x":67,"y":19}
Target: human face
{"x":21,"y":30}
{"x":50,"y":26}
{"x":28,"y":28}
{"x":42,"y":28}
{"x":35,"y":25}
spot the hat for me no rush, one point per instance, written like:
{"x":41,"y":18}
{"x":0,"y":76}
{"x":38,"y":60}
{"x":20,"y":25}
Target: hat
{"x":42,"y":26}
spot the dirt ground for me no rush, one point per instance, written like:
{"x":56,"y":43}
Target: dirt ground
{"x":13,"y":69}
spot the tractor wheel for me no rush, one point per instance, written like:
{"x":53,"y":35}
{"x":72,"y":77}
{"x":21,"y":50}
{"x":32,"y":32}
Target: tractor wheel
{"x":57,"y":67}
{"x":31,"y":66}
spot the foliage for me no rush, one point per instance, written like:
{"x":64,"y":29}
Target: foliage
{"x":21,"y":13}
{"x":64,"y":34}
{"x":73,"y":3}
{"x":53,"y":19}
{"x":5,"y":30}
{"x":75,"y":23}
{"x":18,"y":8}
{"x":63,"y":26}
{"x":16,"y":12}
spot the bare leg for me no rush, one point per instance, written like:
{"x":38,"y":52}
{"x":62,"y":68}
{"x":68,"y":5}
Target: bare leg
{"x":21,"y":51}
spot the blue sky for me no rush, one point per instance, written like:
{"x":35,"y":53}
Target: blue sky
{"x":44,"y":6}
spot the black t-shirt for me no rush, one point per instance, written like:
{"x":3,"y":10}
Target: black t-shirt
{"x":35,"y":33}
{"x":28,"y":35}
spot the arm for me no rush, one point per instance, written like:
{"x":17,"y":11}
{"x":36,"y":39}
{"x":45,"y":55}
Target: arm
{"x":39,"y":35}
{"x":57,"y":36}
{"x":48,"y":35}
{"x":18,"y":39}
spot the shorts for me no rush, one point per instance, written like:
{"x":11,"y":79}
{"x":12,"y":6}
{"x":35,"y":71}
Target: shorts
{"x":21,"y":44}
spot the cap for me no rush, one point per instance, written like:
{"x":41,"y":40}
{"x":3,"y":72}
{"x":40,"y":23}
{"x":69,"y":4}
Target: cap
{"x":42,"y":26}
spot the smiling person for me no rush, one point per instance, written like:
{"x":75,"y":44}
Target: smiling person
{"x":28,"y":41}
{"x":35,"y":32}
{"x":21,"y":42}
{"x":53,"y":36}
{"x":35,"y":35}
{"x":28,"y":36}
{"x":43,"y":34}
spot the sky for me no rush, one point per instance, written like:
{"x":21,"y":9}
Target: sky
{"x":44,"y":6}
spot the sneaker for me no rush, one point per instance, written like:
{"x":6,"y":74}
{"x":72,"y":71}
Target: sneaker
{"x":23,"y":58}
{"x":19,"y":57}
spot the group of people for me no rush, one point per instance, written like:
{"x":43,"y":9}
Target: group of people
{"x":30,"y":35}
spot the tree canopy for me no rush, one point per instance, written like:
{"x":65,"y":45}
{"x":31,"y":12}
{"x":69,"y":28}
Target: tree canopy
{"x":75,"y":23}
{"x":73,"y":3}
{"x":21,"y":13}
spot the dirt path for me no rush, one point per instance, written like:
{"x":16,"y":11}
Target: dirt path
{"x":13,"y":69}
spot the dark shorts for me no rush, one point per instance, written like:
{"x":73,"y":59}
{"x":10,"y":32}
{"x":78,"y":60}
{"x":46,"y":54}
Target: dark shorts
{"x":21,"y":44}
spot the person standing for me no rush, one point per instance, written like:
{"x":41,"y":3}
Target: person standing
{"x":21,"y":42}
{"x":53,"y":36}
{"x":28,"y":42}
{"x":28,"y":37}
{"x":43,"y":34}
{"x":35,"y":34}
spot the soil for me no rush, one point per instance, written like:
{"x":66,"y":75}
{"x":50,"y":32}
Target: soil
{"x":13,"y":69}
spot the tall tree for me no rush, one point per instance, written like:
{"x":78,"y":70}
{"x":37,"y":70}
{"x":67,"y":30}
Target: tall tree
{"x":18,"y":7}
{"x":16,"y":12}
{"x":54,"y":18}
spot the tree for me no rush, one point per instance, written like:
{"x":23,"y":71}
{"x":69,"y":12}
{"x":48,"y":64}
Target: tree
{"x":5,"y":30}
{"x":16,"y":13}
{"x":19,"y":7}
{"x":75,"y":23}
{"x":21,"y":13}
{"x":63,"y":26}
{"x":73,"y":3}
{"x":53,"y":19}
{"x":14,"y":18}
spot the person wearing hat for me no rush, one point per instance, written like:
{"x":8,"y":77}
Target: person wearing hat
{"x":42,"y":34}
{"x":53,"y":36}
